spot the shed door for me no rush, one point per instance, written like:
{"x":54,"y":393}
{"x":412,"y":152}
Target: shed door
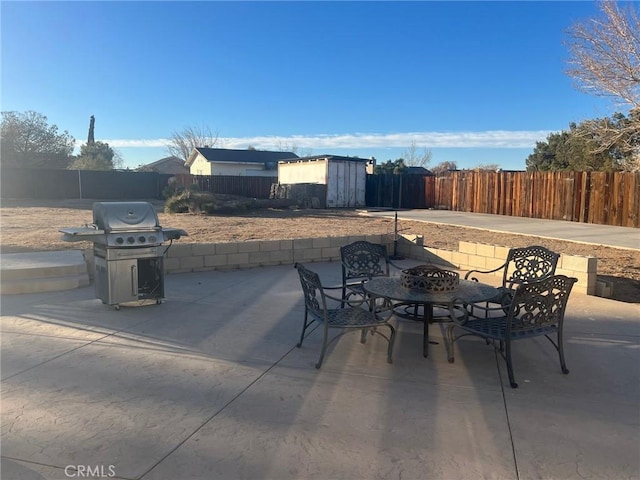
{"x":345,"y":187}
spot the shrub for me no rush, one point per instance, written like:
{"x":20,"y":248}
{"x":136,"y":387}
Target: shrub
{"x":189,"y":201}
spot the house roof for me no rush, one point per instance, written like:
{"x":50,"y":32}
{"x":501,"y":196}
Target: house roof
{"x":171,"y":165}
{"x":324,"y":157}
{"x":238,"y":156}
{"x":418,"y":171}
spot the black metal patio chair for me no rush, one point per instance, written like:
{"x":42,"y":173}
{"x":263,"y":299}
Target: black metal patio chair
{"x":537,"y":308}
{"x":361,"y":261}
{"x":336,"y":313}
{"x":522,"y":265}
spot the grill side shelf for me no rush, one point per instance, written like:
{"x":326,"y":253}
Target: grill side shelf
{"x":81,"y":234}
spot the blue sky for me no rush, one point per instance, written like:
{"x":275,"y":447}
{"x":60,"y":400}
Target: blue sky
{"x":474,"y":82}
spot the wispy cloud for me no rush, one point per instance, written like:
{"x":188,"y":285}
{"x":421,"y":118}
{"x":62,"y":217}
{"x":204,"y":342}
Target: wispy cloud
{"x":486,"y":139}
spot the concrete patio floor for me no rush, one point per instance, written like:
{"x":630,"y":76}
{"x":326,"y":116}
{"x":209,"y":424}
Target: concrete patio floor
{"x":209,"y":385}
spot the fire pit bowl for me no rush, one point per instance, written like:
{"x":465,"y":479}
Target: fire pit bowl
{"x":429,"y":278}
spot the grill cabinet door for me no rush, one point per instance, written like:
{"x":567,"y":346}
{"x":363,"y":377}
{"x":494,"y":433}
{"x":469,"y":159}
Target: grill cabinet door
{"x":116,"y":281}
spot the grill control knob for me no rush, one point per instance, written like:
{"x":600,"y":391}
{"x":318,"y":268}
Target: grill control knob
{"x":119,"y":240}
{"x":152,"y":239}
{"x":141,"y":239}
{"x":130,"y":240}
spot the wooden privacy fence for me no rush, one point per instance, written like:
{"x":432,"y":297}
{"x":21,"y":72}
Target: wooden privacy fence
{"x":590,"y":197}
{"x":248,"y":186}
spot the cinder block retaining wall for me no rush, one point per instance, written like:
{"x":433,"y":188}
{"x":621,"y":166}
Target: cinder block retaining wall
{"x":481,"y":256}
{"x":185,"y":257}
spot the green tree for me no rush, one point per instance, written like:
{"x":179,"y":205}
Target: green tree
{"x":390,"y":167}
{"x":581,"y":147}
{"x":95,"y":156}
{"x":27,"y":140}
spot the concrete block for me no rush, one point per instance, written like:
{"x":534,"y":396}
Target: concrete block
{"x":491,"y":263}
{"x":321,"y":243}
{"x":180,"y":250}
{"x":226,"y":248}
{"x":604,"y":288}
{"x":215,"y":260}
{"x":460,"y":259}
{"x":445,"y":255}
{"x":301,"y":243}
{"x":501,"y":252}
{"x":269,"y":245}
{"x":485,"y":250}
{"x":189,"y":263}
{"x":467,"y":247}
{"x":477,"y":261}
{"x":579,"y":263}
{"x":281,"y":257}
{"x":171,"y":264}
{"x":339,"y":241}
{"x":203,"y":249}
{"x":237,"y":259}
{"x":260,"y":257}
{"x":286,"y":244}
{"x":312,"y":254}
{"x":375,"y":239}
{"x":246,"y":247}
{"x":330,"y":252}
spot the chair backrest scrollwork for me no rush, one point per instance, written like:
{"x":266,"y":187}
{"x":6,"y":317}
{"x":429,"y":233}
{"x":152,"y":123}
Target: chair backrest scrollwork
{"x":539,"y":304}
{"x":364,"y":260}
{"x":528,"y":264}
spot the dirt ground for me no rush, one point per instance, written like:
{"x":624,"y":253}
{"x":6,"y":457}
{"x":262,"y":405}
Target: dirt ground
{"x":27,"y":225}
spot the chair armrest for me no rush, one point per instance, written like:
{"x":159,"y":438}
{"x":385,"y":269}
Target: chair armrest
{"x":458,"y":311}
{"x":350,"y":302}
{"x":468,"y":274}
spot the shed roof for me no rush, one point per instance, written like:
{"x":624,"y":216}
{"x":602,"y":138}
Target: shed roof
{"x":324,"y":157}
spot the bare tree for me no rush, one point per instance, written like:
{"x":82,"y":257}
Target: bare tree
{"x":605,"y":61}
{"x":444,"y":167}
{"x":487,"y":167}
{"x":182,"y":143}
{"x":292,"y":147}
{"x":605,"y":53}
{"x":618,"y":136}
{"x":413,"y":157}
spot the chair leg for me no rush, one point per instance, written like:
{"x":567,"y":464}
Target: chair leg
{"x":392,"y":339}
{"x":449,"y":340}
{"x":324,"y":346}
{"x":304,"y":328}
{"x":363,"y":335}
{"x":563,"y":364}
{"x":512,"y":380}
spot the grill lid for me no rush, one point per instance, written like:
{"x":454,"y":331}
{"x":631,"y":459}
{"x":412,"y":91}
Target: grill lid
{"x":125,"y":216}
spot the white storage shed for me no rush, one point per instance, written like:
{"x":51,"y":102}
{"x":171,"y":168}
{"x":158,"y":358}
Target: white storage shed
{"x":345,"y":177}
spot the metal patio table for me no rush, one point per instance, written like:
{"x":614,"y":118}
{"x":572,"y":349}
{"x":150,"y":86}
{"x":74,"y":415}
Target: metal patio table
{"x":391,"y":288}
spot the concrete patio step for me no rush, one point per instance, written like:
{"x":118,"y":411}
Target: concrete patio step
{"x":37,"y":272}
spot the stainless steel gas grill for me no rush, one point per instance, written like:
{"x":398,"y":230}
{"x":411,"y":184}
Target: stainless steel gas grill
{"x":128,"y":251}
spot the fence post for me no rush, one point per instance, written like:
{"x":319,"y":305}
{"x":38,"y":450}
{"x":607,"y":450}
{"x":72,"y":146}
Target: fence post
{"x":80,"y":184}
